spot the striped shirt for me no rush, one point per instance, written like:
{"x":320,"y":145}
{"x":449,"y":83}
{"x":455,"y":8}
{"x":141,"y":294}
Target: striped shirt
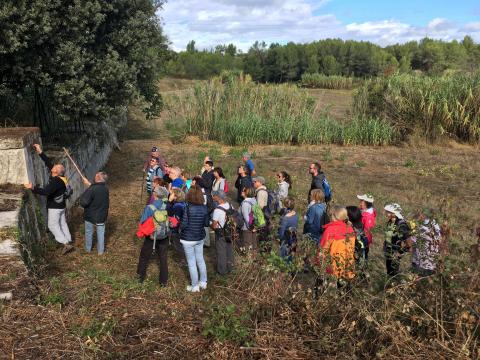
{"x":153,"y":172}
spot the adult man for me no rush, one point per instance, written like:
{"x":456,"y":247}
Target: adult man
{"x":249,"y":166}
{"x":261,"y":192}
{"x":174,"y":174}
{"x":207,"y":158}
{"x":154,"y":153}
{"x":318,"y":177}
{"x":55,"y":193}
{"x":223,"y":244}
{"x":153,"y":171}
{"x":95,"y":201}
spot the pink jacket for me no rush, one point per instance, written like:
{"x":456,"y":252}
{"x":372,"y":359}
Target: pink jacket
{"x":369,"y":218}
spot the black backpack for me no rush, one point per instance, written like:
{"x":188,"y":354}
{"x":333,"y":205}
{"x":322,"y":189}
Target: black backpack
{"x":233,"y":224}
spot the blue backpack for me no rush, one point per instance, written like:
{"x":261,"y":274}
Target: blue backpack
{"x":327,"y":190}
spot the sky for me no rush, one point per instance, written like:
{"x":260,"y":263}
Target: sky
{"x":242,"y":22}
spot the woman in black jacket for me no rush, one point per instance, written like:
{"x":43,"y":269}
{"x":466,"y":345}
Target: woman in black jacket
{"x":396,"y":235}
{"x":192,"y":232}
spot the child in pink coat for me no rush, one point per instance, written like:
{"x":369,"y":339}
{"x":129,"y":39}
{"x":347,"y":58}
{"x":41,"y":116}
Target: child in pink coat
{"x":369,"y":217}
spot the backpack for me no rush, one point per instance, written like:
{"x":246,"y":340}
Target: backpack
{"x":225,"y":187}
{"x":361,"y":243}
{"x":256,"y":217}
{"x":233,"y":223}
{"x":272,"y":204}
{"x":327,"y":190}
{"x":66,"y":194}
{"x":161,"y":222}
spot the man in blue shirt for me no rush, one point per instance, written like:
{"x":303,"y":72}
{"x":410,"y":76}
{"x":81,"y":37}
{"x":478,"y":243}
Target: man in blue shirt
{"x":249,"y":166}
{"x":174,"y":175}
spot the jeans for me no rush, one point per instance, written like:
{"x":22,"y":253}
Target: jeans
{"x":224,"y":254}
{"x":57,"y":224}
{"x":194,"y":254}
{"x":100,"y":237}
{"x":161,"y":247}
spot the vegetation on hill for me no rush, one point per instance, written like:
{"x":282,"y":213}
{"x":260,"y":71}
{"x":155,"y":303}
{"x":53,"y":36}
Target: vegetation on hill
{"x":287,"y":63}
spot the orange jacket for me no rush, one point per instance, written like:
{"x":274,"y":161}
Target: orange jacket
{"x":338,"y":245}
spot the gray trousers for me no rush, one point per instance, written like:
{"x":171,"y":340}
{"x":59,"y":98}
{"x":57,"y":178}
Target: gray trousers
{"x":224,"y":255}
{"x":57,"y":224}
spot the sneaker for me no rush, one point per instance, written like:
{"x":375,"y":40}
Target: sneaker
{"x":202,"y":285}
{"x":66,"y":249}
{"x":193,"y":288}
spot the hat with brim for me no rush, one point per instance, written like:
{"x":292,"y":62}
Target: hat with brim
{"x":161,"y":192}
{"x":365,"y":197}
{"x":395,"y":209}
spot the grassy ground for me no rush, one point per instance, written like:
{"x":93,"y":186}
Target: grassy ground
{"x":91,"y":307}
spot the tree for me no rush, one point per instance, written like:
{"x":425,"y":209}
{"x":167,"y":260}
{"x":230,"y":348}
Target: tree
{"x":85,"y":58}
{"x":191,"y":47}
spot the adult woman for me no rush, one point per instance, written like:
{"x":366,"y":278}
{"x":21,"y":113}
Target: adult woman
{"x":153,"y":245}
{"x":369,"y":216}
{"x":192,"y":232}
{"x":219,"y":181}
{"x":243,"y":181}
{"x":338,"y":245}
{"x":361,"y":240}
{"x":284,"y":184}
{"x":249,"y":236}
{"x":396,"y":235}
{"x":288,"y":228}
{"x":175,"y":208}
{"x":316,"y":216}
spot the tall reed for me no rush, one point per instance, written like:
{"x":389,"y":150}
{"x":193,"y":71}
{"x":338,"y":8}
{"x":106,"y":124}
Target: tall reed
{"x":322,"y":81}
{"x":433,"y":106}
{"x":235,"y":110}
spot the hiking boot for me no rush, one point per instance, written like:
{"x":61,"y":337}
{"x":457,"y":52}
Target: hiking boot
{"x":67,"y":248}
{"x":193,"y":288}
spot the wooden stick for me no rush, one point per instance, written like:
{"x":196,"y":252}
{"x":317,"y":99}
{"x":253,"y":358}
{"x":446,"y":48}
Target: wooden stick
{"x":74,"y":164}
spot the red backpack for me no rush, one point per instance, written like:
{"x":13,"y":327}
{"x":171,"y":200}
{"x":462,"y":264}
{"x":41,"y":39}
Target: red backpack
{"x":226,"y":186}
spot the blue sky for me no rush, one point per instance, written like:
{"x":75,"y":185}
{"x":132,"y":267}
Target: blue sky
{"x":242,"y":22}
{"x":417,"y":13}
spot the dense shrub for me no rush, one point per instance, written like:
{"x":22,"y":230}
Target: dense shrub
{"x":322,"y":81}
{"x":434,"y":106}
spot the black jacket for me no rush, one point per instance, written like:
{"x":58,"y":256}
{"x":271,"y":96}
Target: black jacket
{"x":317,"y":183}
{"x":208,"y":178}
{"x":242,"y":183}
{"x":54,"y":189}
{"x":95,"y":201}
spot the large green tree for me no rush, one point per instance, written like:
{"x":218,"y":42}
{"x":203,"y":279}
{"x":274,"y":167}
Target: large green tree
{"x":87,"y":57}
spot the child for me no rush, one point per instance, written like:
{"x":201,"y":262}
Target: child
{"x":396,"y":236}
{"x":284,"y":184}
{"x":426,"y":244}
{"x":287,"y":230}
{"x":369,"y":218}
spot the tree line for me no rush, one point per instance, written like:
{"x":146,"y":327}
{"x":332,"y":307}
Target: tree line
{"x":284,"y":63}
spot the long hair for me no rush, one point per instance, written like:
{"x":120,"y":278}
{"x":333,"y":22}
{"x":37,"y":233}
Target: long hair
{"x":219,"y":171}
{"x":355,"y":216}
{"x":287,"y":178}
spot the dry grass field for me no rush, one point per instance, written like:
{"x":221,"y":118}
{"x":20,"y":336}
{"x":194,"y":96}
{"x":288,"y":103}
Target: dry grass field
{"x":90,"y":307}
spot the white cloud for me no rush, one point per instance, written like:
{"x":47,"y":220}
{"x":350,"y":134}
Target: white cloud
{"x":242,"y":22}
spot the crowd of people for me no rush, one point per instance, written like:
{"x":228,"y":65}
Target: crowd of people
{"x":181,"y":211}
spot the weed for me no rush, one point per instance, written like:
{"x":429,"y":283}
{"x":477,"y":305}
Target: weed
{"x":409,"y":163}
{"x":224,"y":324}
{"x":276,"y":153}
{"x":54,"y":295}
{"x":97,"y":329}
{"x":322,"y":81}
{"x":360,"y":163}
{"x":342,"y":157}
{"x":327,"y":155}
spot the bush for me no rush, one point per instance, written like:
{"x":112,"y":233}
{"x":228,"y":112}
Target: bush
{"x":432,"y":106}
{"x":225,"y":324}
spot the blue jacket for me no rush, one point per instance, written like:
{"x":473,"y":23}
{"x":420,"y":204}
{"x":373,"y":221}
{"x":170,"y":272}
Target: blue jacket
{"x":285,"y":223}
{"x":314,"y":219}
{"x":194,"y":220}
{"x":175,"y":209}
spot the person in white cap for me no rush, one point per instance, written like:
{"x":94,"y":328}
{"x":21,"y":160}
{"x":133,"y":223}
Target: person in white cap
{"x":396,"y":237}
{"x":369,"y":217}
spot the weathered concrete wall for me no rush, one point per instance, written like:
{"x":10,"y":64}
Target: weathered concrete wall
{"x":23,"y":215}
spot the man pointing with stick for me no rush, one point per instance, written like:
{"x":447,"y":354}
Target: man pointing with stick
{"x":55,"y":191}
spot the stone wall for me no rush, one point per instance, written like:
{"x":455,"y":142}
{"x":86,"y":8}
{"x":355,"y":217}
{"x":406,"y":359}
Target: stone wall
{"x":23,"y":215}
